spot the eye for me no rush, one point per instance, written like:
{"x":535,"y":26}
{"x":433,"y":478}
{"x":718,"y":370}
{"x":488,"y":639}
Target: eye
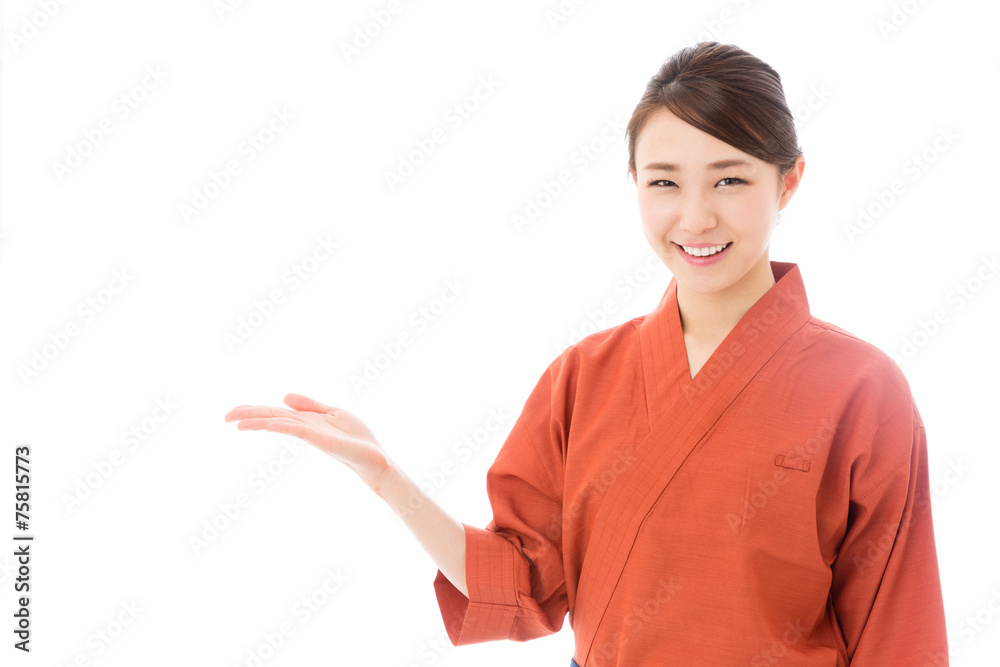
{"x":736,"y":180}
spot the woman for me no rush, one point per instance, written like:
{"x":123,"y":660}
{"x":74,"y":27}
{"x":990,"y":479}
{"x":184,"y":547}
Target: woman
{"x":726,"y":480}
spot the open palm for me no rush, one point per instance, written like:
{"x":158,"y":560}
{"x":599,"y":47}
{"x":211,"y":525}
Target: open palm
{"x":332,"y":430}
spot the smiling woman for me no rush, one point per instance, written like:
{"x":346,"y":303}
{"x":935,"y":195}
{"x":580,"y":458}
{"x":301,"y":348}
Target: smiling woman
{"x":725,"y":480}
{"x":708,"y":214}
{"x":715,"y":165}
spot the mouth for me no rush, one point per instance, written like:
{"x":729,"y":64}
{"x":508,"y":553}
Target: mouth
{"x":704,"y":250}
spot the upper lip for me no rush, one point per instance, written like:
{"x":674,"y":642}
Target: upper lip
{"x":702,"y":245}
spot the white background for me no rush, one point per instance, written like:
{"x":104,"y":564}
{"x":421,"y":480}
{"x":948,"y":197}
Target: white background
{"x":866,"y":101}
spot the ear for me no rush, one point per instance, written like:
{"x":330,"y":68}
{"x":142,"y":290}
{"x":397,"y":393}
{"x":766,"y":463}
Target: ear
{"x":791,"y":182}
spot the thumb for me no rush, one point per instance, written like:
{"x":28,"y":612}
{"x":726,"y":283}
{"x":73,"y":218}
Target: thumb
{"x":300,"y":402}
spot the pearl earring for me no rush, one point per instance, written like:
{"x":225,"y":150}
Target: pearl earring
{"x":779,"y":218}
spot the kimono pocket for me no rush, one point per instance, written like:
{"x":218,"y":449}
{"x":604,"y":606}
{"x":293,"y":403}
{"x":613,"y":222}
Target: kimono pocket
{"x":790,"y":463}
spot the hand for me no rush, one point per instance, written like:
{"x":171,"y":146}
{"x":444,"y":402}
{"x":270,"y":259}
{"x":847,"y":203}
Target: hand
{"x":332,"y":430}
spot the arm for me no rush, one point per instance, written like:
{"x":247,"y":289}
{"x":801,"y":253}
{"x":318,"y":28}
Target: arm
{"x":886,"y":587}
{"x":441,"y":536}
{"x":346,"y":438}
{"x":516,"y":584}
{"x":487,"y":579}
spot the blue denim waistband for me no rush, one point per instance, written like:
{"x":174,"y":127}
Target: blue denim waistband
{"x":572,"y":663}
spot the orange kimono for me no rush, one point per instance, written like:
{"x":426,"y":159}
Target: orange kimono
{"x":775,"y":509}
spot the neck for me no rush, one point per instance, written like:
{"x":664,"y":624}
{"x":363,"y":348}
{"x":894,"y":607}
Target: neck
{"x":713,"y":316}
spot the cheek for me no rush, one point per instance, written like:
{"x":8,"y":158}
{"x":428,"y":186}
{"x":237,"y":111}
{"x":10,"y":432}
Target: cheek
{"x":652,"y":211}
{"x":654,"y":227}
{"x":747,"y":212}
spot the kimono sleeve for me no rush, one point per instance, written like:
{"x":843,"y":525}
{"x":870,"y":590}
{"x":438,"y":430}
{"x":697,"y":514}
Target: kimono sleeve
{"x":514,"y":567}
{"x":886,"y":587}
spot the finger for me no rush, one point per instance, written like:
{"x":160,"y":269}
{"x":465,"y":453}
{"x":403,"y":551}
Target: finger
{"x":300,"y":402}
{"x":243,"y":412}
{"x":229,"y":414}
{"x":299,"y":430}
{"x":261,"y":423}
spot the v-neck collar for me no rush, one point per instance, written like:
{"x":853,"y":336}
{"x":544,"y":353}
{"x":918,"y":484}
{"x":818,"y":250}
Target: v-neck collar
{"x":772,"y":318}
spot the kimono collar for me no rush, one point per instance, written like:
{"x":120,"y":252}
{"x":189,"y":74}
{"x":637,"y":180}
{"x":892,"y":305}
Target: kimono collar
{"x":775,"y":316}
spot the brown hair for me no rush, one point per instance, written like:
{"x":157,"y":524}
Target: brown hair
{"x":728,"y":93}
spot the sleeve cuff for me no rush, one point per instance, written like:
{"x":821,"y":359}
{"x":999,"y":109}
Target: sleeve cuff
{"x":489,"y":612}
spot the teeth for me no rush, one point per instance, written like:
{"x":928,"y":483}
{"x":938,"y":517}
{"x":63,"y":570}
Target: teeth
{"x":703,"y":252}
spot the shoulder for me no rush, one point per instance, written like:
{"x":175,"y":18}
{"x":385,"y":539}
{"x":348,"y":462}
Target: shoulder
{"x":602,"y":349}
{"x":877,"y":419}
{"x":850,"y":361}
{"x":595,"y":363}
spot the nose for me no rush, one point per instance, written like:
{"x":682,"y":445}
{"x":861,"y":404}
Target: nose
{"x":697,"y":217}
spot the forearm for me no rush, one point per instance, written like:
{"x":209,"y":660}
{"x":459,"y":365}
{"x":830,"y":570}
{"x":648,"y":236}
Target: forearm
{"x":441,"y":536}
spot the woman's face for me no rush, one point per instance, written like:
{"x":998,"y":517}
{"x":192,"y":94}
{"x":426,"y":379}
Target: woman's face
{"x":687,"y":200}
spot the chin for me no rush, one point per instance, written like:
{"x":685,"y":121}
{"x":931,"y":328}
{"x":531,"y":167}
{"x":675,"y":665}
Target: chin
{"x":705,"y":286}
{"x":717,"y":279}
{"x":688,"y":279}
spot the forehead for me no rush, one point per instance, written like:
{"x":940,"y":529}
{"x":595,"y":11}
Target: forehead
{"x":667,"y":138}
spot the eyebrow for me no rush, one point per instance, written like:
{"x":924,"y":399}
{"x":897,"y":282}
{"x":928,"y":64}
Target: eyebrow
{"x":721,"y":164}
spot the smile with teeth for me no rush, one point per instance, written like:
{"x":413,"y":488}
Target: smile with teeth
{"x":704,"y":252}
